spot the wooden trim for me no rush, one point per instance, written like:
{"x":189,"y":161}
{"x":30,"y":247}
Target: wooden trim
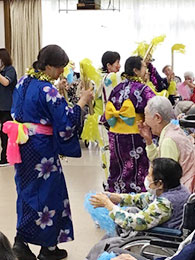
{"x":7,"y":24}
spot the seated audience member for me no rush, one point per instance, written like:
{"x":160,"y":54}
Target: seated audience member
{"x":162,"y":84}
{"x":189,"y":79}
{"x":161,"y":205}
{"x":185,"y":89}
{"x":170,"y":82}
{"x":168,"y":71}
{"x":183,"y":108}
{"x":173,"y":142}
{"x":6,"y":252}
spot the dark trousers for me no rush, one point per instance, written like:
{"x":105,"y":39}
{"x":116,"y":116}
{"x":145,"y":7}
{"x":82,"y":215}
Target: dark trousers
{"x":4,"y":116}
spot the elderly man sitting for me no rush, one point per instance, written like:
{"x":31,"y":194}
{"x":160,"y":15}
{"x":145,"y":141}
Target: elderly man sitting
{"x":173,"y":142}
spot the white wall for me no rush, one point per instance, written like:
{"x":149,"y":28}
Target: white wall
{"x":90,"y":33}
{"x":2,"y":31}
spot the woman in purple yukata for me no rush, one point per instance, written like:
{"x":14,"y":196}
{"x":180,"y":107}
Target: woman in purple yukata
{"x":50,"y":127}
{"x":128,"y":160}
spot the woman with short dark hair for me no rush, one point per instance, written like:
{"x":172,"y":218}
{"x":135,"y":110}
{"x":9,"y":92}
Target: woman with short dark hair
{"x":8,"y":80}
{"x":93,"y":129}
{"x":110,"y":67}
{"x":168,"y":171}
{"x":49,"y":128}
{"x":108,"y":59}
{"x":5,"y":57}
{"x":132,"y":63}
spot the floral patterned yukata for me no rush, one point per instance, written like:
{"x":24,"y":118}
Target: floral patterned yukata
{"x":128,"y":160}
{"x":43,"y":209}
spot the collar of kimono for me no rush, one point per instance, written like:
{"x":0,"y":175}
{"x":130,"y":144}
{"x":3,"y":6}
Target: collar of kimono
{"x":40,"y":75}
{"x":122,"y":121}
{"x":133,"y":78}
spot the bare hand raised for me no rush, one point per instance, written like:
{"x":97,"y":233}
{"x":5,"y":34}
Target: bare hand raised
{"x":86,"y":97}
{"x":145,"y":132}
{"x":101,"y":200}
{"x":62,"y":85}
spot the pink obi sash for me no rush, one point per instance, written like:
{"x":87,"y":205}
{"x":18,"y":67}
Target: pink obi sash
{"x":18,"y":133}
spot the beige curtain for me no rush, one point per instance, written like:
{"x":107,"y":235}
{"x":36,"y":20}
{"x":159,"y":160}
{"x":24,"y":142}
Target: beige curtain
{"x":7,"y":23}
{"x":26,"y":32}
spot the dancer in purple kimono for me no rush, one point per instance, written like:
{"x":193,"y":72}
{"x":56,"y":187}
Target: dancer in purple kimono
{"x":50,"y":128}
{"x":128,"y":160}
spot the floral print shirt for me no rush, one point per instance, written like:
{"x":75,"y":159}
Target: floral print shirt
{"x":153,"y":211}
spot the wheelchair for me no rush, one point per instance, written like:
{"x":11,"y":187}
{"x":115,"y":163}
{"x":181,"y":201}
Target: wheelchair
{"x":160,"y":241}
{"x":187,"y":121}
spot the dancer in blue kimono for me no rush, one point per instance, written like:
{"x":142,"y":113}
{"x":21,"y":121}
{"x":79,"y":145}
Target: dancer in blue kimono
{"x":49,"y":128}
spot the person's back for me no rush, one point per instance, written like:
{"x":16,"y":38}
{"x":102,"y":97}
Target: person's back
{"x":125,"y":107}
{"x":178,"y":197}
{"x":34,"y":103}
{"x":186,"y":154}
{"x":137,"y":92}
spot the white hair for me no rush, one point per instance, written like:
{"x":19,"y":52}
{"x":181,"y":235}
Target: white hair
{"x":189,"y":74}
{"x":162,"y":106}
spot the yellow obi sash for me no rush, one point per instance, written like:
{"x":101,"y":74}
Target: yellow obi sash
{"x":123,"y":121}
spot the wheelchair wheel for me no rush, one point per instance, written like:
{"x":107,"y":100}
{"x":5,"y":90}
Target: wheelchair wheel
{"x":141,"y":245}
{"x":134,"y":244}
{"x":187,"y":121}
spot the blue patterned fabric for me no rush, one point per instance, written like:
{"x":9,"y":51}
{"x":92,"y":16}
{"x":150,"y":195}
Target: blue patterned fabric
{"x":43,"y":209}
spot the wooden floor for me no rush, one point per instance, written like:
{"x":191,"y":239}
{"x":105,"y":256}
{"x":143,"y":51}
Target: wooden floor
{"x":82,"y":176}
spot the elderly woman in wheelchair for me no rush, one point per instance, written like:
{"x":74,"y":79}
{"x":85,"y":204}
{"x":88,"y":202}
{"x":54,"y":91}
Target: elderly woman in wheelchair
{"x":161,"y":207}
